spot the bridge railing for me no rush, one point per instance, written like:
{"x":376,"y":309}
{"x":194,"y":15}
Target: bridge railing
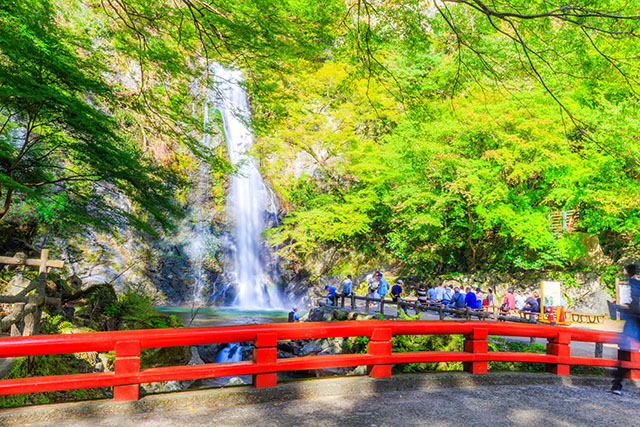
{"x":265,"y":365}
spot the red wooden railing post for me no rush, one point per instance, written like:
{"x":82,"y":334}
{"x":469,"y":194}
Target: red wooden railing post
{"x":476,"y":342}
{"x":559,"y":346}
{"x":630,"y":356}
{"x":127,"y":362}
{"x":379,"y":345}
{"x":265,"y":351}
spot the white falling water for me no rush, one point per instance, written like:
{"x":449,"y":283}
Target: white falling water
{"x":231,"y":353}
{"x":197,"y":225}
{"x":249,"y":199}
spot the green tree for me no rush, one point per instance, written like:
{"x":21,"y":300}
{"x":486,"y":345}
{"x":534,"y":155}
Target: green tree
{"x":60,"y":146}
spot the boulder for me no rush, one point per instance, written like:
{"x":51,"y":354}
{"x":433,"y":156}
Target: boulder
{"x":289,"y":347}
{"x":595,"y":257}
{"x":16,"y":285}
{"x":312,"y":347}
{"x":195,"y":357}
{"x":451,"y":282}
{"x":318,"y":314}
{"x":171,"y":386}
{"x":359,"y":370}
{"x":209,"y":352}
{"x":236,"y":381}
{"x":593,"y":303}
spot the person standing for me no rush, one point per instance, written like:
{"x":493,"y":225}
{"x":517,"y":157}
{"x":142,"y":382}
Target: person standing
{"x":383,"y":287}
{"x":396,"y":294}
{"x":347,"y":286}
{"x":372,"y":287}
{"x":489,"y":298}
{"x":630,"y":337}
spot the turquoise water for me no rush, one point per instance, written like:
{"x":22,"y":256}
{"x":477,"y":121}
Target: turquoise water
{"x":195,"y":317}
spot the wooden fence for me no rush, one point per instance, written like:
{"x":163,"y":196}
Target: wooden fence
{"x":377,"y":305}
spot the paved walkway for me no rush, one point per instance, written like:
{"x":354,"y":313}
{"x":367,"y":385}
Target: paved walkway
{"x":449,"y":400}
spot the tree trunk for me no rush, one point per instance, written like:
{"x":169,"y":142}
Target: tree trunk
{"x":7,"y":203}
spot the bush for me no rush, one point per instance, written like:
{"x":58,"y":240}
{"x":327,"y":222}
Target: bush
{"x":500,"y":344}
{"x":409,"y":343}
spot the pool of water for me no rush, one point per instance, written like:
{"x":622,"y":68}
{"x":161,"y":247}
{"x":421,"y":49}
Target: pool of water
{"x":194,"y":317}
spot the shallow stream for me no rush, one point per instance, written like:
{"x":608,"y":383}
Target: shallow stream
{"x":194,"y":317}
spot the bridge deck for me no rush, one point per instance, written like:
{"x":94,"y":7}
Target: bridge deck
{"x":438,"y":399}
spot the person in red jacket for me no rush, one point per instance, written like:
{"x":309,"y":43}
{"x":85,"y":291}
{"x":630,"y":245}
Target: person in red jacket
{"x":509,"y":301}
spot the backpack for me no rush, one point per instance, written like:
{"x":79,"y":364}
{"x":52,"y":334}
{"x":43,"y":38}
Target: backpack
{"x":291,"y":317}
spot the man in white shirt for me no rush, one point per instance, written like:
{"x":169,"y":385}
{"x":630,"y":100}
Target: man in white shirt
{"x":439,"y":292}
{"x":448,"y":295}
{"x":520,"y":302}
{"x":431,"y":292}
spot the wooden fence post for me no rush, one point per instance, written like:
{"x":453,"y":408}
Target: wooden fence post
{"x":559,"y":346}
{"x":476,"y":342}
{"x":599,"y":350}
{"x":379,"y":345}
{"x":127,"y":362}
{"x":265,"y":351}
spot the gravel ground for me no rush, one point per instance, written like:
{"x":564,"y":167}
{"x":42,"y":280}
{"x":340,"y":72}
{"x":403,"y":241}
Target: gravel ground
{"x":553,"y":405}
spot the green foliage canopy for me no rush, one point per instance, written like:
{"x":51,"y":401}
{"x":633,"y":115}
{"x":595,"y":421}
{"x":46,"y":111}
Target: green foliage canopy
{"x":469,"y":142}
{"x":60,"y":148}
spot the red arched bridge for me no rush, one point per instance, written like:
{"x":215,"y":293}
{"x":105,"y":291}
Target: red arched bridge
{"x":379,"y":357}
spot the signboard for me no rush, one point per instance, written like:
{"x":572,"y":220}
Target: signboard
{"x":551,"y":294}
{"x":623,"y":292}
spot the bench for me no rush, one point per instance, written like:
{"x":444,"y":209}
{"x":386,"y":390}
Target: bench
{"x":587,"y":318}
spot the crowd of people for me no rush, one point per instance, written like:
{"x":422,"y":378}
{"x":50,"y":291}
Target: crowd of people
{"x":454,"y":297}
{"x":473,"y":297}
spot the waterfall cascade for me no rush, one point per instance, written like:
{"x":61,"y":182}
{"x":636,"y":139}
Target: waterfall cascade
{"x":250,"y":203}
{"x":231,"y":353}
{"x":195,"y":233}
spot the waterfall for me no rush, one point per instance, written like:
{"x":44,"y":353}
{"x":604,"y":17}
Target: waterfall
{"x":194,"y":233}
{"x":249,"y":202}
{"x":231,"y":353}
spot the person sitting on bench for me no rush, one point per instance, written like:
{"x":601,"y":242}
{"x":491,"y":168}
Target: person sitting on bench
{"x":530,"y":304}
{"x":422,"y":294}
{"x":457,"y":302}
{"x":470,"y":299}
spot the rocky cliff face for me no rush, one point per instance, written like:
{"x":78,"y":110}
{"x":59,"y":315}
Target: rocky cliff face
{"x":585,"y":292}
